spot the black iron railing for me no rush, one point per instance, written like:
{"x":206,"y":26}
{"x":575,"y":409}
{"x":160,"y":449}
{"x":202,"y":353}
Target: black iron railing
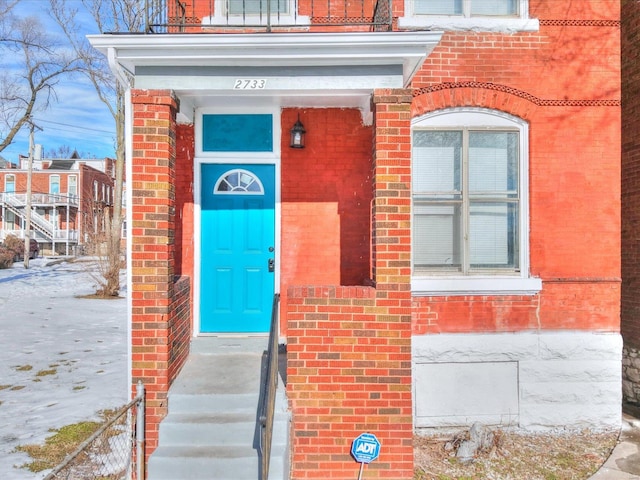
{"x":269,"y":388}
{"x":202,"y":16}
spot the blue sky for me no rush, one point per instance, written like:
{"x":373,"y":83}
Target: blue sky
{"x":76,"y":118}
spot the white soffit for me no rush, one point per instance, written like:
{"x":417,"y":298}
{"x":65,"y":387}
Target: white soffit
{"x":405,"y":49}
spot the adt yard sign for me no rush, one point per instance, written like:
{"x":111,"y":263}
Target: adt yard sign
{"x":365,"y":448}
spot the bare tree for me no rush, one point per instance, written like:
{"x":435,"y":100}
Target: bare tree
{"x":33,"y":63}
{"x":107,"y":16}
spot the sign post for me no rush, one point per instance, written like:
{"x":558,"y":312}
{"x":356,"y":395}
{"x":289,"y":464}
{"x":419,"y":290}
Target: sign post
{"x":365,"y":449}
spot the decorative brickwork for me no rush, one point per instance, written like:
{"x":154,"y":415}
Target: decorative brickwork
{"x":451,"y":86}
{"x":580,"y":23}
{"x":349,"y":348}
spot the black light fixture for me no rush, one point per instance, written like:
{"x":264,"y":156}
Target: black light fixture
{"x":297,"y":135}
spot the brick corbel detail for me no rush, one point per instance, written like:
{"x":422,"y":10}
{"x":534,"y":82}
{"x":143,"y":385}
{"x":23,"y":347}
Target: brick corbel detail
{"x":152,"y":247}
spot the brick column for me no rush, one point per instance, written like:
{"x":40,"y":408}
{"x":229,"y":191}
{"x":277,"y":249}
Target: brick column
{"x":152,"y":247}
{"x":349,"y":348}
{"x":391,"y":258}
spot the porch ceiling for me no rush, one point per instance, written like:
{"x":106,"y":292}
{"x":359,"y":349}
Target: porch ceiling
{"x":300,"y":69}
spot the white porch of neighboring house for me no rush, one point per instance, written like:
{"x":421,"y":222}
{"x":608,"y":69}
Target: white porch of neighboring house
{"x":44,"y":225}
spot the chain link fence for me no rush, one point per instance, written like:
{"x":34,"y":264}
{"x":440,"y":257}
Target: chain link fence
{"x":108,"y":454}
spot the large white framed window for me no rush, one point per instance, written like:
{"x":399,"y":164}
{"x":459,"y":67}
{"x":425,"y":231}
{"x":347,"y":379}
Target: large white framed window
{"x":470,"y":203}
{"x":488,"y":15}
{"x":255,"y":12}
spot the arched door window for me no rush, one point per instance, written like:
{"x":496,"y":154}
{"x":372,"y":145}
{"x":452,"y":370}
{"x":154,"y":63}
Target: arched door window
{"x":238,"y":181}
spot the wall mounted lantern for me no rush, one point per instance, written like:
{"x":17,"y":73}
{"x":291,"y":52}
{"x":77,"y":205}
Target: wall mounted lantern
{"x":297,"y":135}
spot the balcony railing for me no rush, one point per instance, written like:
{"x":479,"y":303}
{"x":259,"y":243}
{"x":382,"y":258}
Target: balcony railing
{"x":209,"y":16}
{"x":39,"y":199}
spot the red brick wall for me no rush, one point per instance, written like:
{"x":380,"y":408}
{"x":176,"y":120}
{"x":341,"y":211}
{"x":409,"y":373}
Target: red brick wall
{"x":349,"y":348}
{"x":318,"y":12}
{"x":631,"y":173}
{"x":574,"y":162}
{"x":39,"y":180}
{"x":326,"y":197}
{"x":185,"y":154}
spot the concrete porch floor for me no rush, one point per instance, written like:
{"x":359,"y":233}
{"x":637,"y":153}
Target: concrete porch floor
{"x":236,"y":362}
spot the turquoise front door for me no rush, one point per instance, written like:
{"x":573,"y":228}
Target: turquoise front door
{"x":237,"y":248}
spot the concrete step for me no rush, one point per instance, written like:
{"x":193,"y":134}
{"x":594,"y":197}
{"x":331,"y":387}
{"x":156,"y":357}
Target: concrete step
{"x":208,"y":429}
{"x":199,"y":463}
{"x":206,"y":403}
{"x":195,"y":462}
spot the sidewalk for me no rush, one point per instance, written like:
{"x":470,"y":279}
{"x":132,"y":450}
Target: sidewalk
{"x":624,"y":462}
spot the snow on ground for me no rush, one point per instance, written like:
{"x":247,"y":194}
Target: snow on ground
{"x":81,"y":342}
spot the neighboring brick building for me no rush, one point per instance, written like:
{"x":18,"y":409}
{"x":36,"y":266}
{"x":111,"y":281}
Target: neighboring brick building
{"x":67,"y":198}
{"x":630,"y":325}
{"x":447,"y":243}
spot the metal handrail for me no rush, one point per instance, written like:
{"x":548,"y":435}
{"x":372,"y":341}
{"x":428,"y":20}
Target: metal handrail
{"x":268,"y":395}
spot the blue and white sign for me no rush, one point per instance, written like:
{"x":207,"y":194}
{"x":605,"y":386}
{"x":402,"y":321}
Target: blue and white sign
{"x":365,"y":448}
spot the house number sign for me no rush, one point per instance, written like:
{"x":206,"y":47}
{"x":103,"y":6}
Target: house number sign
{"x":250,"y":84}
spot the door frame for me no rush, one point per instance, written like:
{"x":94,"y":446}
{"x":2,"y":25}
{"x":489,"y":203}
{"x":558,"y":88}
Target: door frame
{"x":236,"y":158}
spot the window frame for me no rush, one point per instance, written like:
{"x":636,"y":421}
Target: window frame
{"x":10,"y":179}
{"x":499,"y":23}
{"x":72,"y":186}
{"x":486,"y":281}
{"x":53,"y":181}
{"x":9,"y":221}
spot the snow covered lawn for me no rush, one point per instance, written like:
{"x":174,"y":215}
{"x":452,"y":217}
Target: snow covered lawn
{"x":62,"y":358}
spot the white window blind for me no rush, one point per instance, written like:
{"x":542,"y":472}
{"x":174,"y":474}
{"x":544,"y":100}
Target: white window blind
{"x":465,"y":200}
{"x":493,"y":7}
{"x":438,"y":7}
{"x":258,"y":7}
{"x":434,"y":170}
{"x":465,"y":7}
